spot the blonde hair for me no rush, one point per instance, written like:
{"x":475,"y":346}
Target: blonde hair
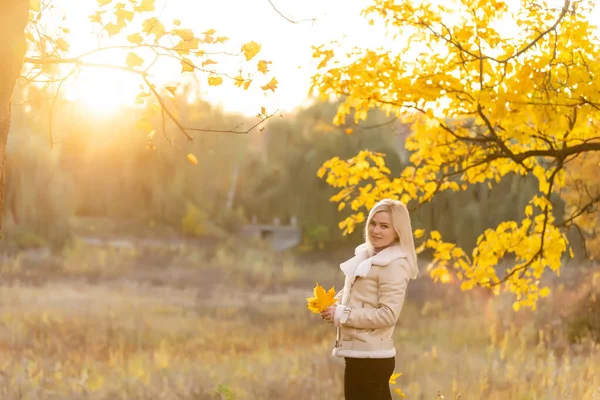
{"x":401,"y":224}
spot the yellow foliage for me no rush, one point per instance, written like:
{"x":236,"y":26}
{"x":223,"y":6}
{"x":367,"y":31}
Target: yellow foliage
{"x":482,"y":104}
{"x":321,"y":300}
{"x":250,"y":49}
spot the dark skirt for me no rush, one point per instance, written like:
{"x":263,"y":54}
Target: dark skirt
{"x":368,"y":378}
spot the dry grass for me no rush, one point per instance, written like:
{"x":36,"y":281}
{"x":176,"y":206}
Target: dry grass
{"x":182,"y":323}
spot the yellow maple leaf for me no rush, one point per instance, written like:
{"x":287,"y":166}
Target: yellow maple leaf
{"x":186,"y":65}
{"x":133,"y":60}
{"x":321,"y":299}
{"x":238,"y":81}
{"x":135,"y":38}
{"x":250,"y":49}
{"x":399,"y":392}
{"x":215,"y":80}
{"x":271,"y":85}
{"x":263,"y":66}
{"x":112,"y":29}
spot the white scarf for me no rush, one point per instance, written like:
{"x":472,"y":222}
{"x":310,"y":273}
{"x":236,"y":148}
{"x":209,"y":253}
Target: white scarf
{"x":360,"y":264}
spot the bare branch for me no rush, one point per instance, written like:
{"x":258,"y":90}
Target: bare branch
{"x":290,"y":19}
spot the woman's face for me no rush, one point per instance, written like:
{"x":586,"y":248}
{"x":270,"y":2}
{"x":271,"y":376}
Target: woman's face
{"x":381,"y":231}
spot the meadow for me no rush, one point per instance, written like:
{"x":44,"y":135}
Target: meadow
{"x":229,"y":321}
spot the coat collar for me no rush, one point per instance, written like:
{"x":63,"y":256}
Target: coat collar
{"x":360,"y":264}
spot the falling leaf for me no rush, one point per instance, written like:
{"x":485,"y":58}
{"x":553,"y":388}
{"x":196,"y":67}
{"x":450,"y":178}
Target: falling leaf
{"x":349,"y":131}
{"x":133,"y":60}
{"x":263,"y":65}
{"x":394,"y":377}
{"x":321,"y":299}
{"x":151,"y":134}
{"x":215,"y":80}
{"x":136,"y":38}
{"x":247,"y":84}
{"x":209,"y":32}
{"x":271,"y":85}
{"x":103,"y":3}
{"x":263,"y":111}
{"x":192,"y":159}
{"x":186,"y":65}
{"x":250,"y":50}
{"x":176,"y":22}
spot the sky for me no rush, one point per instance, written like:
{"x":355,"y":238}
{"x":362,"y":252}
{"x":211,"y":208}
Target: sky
{"x":287,"y":45}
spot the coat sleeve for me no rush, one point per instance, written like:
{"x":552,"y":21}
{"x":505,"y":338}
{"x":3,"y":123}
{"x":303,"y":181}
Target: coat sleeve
{"x":392,"y":284}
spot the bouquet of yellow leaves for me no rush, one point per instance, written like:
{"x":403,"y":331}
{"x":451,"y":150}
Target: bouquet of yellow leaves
{"x":321,"y":300}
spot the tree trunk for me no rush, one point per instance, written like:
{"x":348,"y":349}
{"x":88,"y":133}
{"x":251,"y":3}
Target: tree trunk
{"x":14,"y":15}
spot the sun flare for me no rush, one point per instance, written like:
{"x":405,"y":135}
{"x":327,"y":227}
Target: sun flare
{"x":103,"y":91}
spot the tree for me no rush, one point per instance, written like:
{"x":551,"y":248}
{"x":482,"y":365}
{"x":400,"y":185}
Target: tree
{"x":490,"y":91}
{"x":34,"y":45}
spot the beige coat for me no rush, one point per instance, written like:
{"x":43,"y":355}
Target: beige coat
{"x":370,"y":303}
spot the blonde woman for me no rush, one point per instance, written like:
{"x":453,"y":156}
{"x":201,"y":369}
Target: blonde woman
{"x":370,"y":303}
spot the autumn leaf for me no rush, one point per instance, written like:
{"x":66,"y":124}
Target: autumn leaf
{"x":263,"y":110}
{"x":135,"y":38}
{"x":208,"y":62}
{"x":192,"y":159}
{"x":112,"y":29}
{"x":263,"y":66}
{"x":123,"y":16}
{"x":394,"y":377}
{"x":186,"y":65}
{"x":271,"y":85}
{"x":103,"y":3}
{"x":133,"y":60}
{"x":247,"y":84}
{"x":145,"y":6}
{"x":62,"y":44}
{"x":250,"y":49}
{"x":151,"y":134}
{"x":215,"y":80}
{"x":348,"y":131}
{"x":97,"y":17}
{"x":238,"y":81}
{"x":176,"y":22}
{"x":153,"y":26}
{"x":321,"y":299}
{"x":171,"y":89}
{"x":184,"y":34}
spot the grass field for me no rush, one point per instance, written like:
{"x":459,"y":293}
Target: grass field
{"x":191,"y":323}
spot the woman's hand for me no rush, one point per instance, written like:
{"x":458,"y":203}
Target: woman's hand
{"x":328,"y":314}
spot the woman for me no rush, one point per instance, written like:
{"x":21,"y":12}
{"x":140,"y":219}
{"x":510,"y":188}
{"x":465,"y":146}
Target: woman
{"x":370,"y":303}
